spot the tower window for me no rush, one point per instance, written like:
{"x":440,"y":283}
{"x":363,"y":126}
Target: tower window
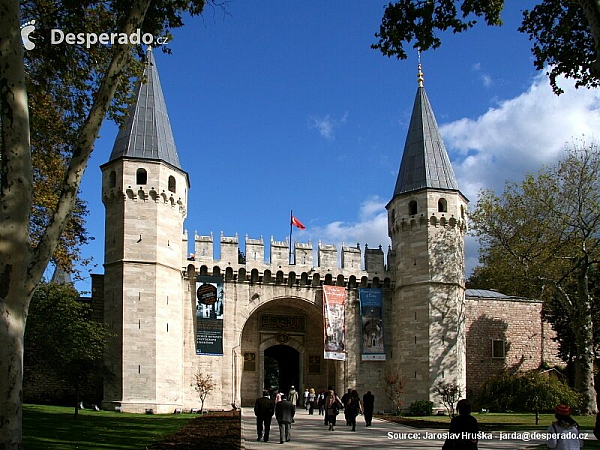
{"x":412,"y":207}
{"x":112,"y":179}
{"x":141,"y":176}
{"x":172,"y":183}
{"x":442,"y":205}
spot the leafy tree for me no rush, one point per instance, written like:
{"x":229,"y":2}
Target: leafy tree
{"x":565,"y":35}
{"x":395,"y":386}
{"x":555,"y":313}
{"x":450,"y":394}
{"x":532,"y":391}
{"x":547,"y":230}
{"x":203,"y":385}
{"x":76,"y":87}
{"x":60,"y":334}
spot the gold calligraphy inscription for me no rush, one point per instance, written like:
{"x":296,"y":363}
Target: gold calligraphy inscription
{"x":282,"y":322}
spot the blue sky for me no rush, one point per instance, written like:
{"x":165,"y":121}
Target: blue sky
{"x":281,"y":105}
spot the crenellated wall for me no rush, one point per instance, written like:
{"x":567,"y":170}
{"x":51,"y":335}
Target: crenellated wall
{"x":241,"y":266}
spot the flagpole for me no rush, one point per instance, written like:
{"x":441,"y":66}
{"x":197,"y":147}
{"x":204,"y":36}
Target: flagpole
{"x":291,"y":227}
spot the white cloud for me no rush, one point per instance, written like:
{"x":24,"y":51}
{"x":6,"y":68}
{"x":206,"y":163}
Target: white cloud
{"x":326,"y":125}
{"x":519,"y":135}
{"x":370,"y":228}
{"x":515,"y":137}
{"x":485,"y":78}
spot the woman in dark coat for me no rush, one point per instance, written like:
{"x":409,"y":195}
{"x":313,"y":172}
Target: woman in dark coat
{"x":353,"y":408}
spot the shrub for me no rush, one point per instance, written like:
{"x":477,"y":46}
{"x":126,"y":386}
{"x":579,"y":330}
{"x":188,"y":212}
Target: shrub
{"x":421,"y":408}
{"x":530,"y":391}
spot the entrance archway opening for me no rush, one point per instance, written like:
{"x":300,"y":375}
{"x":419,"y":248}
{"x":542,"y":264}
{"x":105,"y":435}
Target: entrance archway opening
{"x":281,"y":367}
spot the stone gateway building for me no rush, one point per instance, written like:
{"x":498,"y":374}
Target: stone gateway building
{"x":250,"y":324}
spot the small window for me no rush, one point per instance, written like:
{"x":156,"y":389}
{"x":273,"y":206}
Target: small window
{"x":249,"y":362}
{"x":412,"y":208}
{"x":112,"y":179}
{"x":141,"y":176}
{"x":314,"y":364}
{"x":498,"y":349}
{"x":172,"y":184}
{"x":442,"y":205}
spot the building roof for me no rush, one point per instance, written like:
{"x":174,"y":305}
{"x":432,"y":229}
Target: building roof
{"x":147,"y":131}
{"x":425,"y":162}
{"x":484,"y":294}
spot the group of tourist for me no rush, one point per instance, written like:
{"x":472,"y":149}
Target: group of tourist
{"x":463,"y":432}
{"x":328,"y":402}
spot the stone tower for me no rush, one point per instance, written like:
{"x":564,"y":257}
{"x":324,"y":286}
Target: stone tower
{"x":144,"y":191}
{"x":427,"y":224}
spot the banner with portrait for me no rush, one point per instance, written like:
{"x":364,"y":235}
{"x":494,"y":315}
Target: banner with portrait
{"x":209,"y":315}
{"x":371,"y":319}
{"x":334,"y":321}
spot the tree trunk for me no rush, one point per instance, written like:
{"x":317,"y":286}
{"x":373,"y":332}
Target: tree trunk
{"x":12,"y":332}
{"x":76,"y":400}
{"x":584,"y":338}
{"x":21,"y":267}
{"x":15,"y":206}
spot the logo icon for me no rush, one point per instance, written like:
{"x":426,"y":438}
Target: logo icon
{"x":26,"y":30}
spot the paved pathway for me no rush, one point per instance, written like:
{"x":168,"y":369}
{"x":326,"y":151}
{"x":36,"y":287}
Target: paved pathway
{"x":310,"y":432}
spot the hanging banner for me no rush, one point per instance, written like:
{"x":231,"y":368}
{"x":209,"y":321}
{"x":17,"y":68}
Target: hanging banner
{"x":209,"y":315}
{"x":334,"y":319}
{"x":371,"y":316}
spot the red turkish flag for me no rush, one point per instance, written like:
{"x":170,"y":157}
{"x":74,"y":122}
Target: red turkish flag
{"x":297,"y":223}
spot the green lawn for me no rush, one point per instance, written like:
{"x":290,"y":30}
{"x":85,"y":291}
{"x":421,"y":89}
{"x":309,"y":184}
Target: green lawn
{"x":512,"y":421}
{"x":55,"y":428}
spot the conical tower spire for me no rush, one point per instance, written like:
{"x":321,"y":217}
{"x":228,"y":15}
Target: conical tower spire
{"x":147,"y":132}
{"x":425,"y":162}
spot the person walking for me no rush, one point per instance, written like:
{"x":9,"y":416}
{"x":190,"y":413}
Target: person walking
{"x":293,"y":399}
{"x":321,"y":402}
{"x":563,"y":434}
{"x":353,"y":408}
{"x":368,"y":406}
{"x":332,"y":409}
{"x":345,"y":399}
{"x":264,"y":408}
{"x":305,"y":399}
{"x":312,"y":398}
{"x":464,"y":426}
{"x":284,"y":414}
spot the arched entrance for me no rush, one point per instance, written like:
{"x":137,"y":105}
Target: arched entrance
{"x":281,"y":367}
{"x":282,"y":345}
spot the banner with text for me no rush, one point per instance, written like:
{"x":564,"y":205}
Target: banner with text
{"x":209,"y":315}
{"x":334,"y":318}
{"x":371,"y":318}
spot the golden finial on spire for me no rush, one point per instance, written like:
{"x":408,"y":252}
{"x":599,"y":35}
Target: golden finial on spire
{"x":420,"y":71}
{"x":420,"y":76}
